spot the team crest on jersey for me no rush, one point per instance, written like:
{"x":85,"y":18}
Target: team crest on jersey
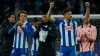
{"x":69,"y":27}
{"x":89,"y":30}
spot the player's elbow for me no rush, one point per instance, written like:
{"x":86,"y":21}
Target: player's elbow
{"x":52,"y":20}
{"x":93,"y":39}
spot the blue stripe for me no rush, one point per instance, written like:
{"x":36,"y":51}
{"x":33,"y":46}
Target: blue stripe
{"x":19,"y":41}
{"x":74,"y":28}
{"x":69,"y":35}
{"x":34,"y":45}
{"x":24,"y":40}
{"x":63,"y":33}
{"x":75,"y":34}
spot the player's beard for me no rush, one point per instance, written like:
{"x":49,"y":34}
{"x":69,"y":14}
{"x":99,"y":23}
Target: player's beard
{"x":69,"y":18}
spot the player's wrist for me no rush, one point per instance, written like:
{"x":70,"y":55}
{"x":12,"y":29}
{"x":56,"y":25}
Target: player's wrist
{"x":51,"y":7}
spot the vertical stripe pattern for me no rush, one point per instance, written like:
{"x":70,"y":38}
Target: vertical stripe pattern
{"x":68,"y":37}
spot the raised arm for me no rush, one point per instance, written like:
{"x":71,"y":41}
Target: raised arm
{"x":86,"y":16}
{"x":49,"y":12}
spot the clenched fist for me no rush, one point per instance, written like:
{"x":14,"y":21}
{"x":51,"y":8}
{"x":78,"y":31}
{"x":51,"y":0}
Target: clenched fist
{"x":87,"y":4}
{"x":51,"y":4}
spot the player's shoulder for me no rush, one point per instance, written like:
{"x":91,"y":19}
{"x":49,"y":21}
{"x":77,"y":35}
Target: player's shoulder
{"x":92,"y":26}
{"x":79,"y":26}
{"x":59,"y":19}
{"x":28,"y":22}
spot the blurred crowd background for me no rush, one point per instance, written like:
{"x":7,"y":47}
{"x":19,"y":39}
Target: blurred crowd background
{"x":39,"y":6}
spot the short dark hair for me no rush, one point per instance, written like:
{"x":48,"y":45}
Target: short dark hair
{"x":35,"y":19}
{"x":66,"y":10}
{"x":9,"y":14}
{"x":18,"y":14}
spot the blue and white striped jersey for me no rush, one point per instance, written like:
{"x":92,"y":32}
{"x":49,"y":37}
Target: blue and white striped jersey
{"x":20,"y":35}
{"x":67,"y":31}
{"x":35,"y":42}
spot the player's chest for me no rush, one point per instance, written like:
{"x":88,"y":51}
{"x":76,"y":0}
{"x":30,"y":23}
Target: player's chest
{"x":68,"y":26}
{"x":86,"y":30}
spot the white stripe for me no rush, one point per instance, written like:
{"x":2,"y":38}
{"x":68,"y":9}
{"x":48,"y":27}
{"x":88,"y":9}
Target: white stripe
{"x":26,"y":43}
{"x":17,"y":40}
{"x":72,"y":38}
{"x":60,"y":26}
{"x":66,"y":36}
{"x":14,"y":40}
{"x":22,"y":38}
{"x":32,"y":45}
{"x":75,"y":49}
{"x":72,"y":35}
{"x":37,"y":44}
{"x":76,"y":30}
{"x":31,"y":52}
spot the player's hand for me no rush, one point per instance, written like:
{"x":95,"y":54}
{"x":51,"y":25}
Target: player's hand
{"x":20,"y":23}
{"x":17,"y":23}
{"x":52,"y":4}
{"x":19,"y":30}
{"x":87,"y":4}
{"x":83,"y":34}
{"x":88,"y":34}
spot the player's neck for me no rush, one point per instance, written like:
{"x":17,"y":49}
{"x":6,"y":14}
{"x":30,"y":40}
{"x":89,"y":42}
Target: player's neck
{"x":85,"y":24}
{"x":67,"y":20}
{"x":23,"y":21}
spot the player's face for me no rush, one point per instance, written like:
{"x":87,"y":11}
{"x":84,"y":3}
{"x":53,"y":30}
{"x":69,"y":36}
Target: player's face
{"x":22,"y":17}
{"x":44,"y":18}
{"x":35,"y":23}
{"x":68,"y":15}
{"x":11,"y":18}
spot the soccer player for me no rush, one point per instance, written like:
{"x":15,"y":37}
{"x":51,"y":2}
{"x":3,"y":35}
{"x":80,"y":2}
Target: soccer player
{"x":35,"y":43}
{"x":68,"y":28}
{"x":47,"y":33}
{"x":86,"y":35}
{"x":21,"y":30}
{"x":6,"y":47}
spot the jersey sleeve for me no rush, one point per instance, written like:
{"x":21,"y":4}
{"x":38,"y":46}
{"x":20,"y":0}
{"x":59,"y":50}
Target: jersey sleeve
{"x":58,"y":21}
